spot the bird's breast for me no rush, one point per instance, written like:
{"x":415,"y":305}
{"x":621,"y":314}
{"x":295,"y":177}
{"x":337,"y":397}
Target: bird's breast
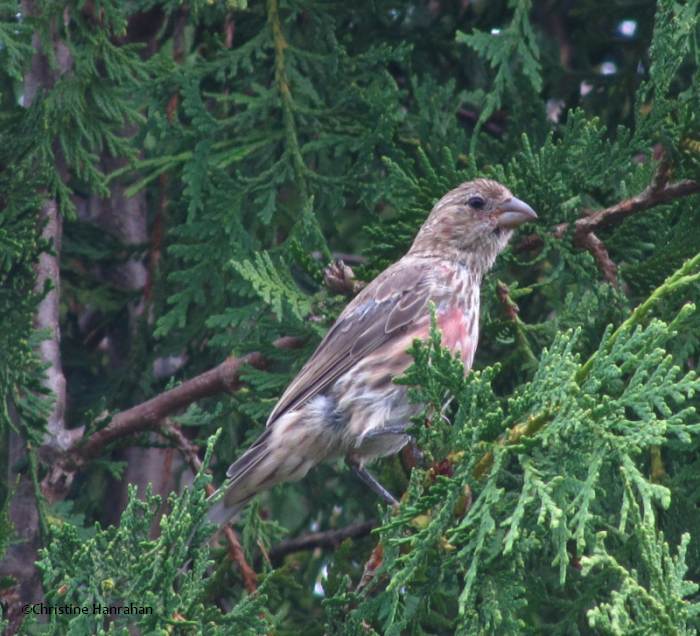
{"x":458,"y":317}
{"x":460,"y":332}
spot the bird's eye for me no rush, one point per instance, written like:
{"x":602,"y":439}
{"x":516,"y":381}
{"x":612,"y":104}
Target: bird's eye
{"x":476,"y":202}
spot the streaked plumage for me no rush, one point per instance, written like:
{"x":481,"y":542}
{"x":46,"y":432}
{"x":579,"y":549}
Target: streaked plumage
{"x":343,"y":402}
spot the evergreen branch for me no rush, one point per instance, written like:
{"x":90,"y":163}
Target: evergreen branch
{"x":190,"y":453}
{"x":327,"y":539}
{"x":514,"y":435}
{"x":679,"y":278}
{"x":282,"y":83}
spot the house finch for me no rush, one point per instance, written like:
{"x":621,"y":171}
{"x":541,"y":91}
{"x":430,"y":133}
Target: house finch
{"x":344,"y":402}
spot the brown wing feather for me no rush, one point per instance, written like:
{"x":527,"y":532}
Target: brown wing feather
{"x":380,"y":312}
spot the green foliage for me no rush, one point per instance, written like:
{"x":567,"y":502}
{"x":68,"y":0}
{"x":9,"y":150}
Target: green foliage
{"x":513,"y":48}
{"x":123,"y":566}
{"x":558,"y":487}
{"x":650,"y":597}
{"x":21,"y":372}
{"x":270,"y":285}
{"x":569,"y":467}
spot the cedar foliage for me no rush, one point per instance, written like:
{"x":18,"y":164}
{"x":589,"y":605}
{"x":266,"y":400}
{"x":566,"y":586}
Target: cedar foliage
{"x":558,"y":489}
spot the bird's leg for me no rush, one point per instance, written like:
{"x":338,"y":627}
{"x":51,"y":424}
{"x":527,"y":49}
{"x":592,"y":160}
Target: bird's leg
{"x":371,"y":481}
{"x":396,"y":429}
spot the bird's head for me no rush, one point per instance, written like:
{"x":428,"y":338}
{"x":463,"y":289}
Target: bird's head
{"x":472,"y":223}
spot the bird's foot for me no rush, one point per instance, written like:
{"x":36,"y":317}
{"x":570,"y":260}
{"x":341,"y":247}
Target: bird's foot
{"x":371,"y":481}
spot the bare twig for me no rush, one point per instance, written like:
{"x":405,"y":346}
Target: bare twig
{"x":584,"y":234}
{"x":602,"y":258}
{"x":189,"y":452}
{"x":509,"y":306}
{"x":145,"y":416}
{"x":373,"y":564}
{"x":220,"y":379}
{"x":235,"y":552}
{"x":649,"y":198}
{"x":328,"y":539}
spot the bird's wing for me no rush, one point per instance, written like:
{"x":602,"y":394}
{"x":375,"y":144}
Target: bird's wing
{"x":382,"y":311}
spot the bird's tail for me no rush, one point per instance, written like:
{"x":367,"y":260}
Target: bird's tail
{"x":221,"y":513}
{"x":284,"y":452}
{"x":243,"y":481}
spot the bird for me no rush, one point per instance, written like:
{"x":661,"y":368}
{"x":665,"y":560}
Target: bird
{"x":343,"y":402}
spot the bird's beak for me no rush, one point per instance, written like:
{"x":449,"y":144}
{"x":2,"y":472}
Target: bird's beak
{"x":513,"y":212}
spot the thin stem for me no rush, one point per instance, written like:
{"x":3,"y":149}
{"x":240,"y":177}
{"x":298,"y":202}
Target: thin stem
{"x":513,"y":312}
{"x":282,"y":83}
{"x":235,"y":551}
{"x":38,"y":495}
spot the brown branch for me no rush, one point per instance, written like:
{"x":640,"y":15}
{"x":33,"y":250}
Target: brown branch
{"x":150,"y":414}
{"x":142,"y":417}
{"x":495,"y":125}
{"x":328,"y":539}
{"x":512,"y":311}
{"x":602,"y":258}
{"x":235,"y":553}
{"x":229,"y":30}
{"x":648,"y":198}
{"x":555,"y":23}
{"x":510,"y":307}
{"x":189,"y":452}
{"x":288,"y":342}
{"x":584,"y":236}
{"x":220,"y":379}
{"x":371,"y":566}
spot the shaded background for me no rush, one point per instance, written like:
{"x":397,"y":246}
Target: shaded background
{"x":174,"y":178}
